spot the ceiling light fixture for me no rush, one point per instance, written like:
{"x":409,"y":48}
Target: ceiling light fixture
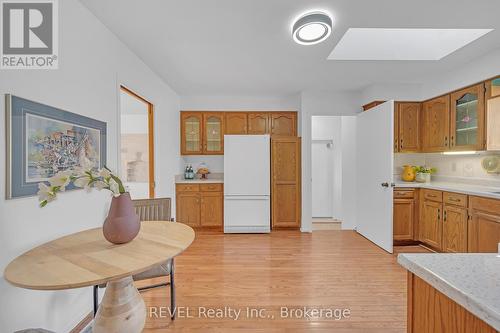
{"x":312,"y":28}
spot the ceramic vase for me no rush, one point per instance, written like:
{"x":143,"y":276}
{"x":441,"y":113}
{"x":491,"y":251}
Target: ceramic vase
{"x":122,"y":224}
{"x":422,"y":177}
{"x":408,"y":174}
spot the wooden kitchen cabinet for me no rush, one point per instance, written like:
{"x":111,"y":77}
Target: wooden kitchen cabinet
{"x":283,"y":124}
{"x":191,"y":133}
{"x":285,"y":182}
{"x":213,"y":133}
{"x":188,"y":208}
{"x":407,"y":126}
{"x":455,"y":216}
{"x":430,"y":311}
{"x":258,"y":122}
{"x":404,"y":215}
{"x":467,"y":119}
{"x":484,"y":225}
{"x":493,"y":114}
{"x":236,"y":123}
{"x":454,"y":229}
{"x":211,"y":211}
{"x":200,"y":205}
{"x":436,"y":124}
{"x":431,"y":228}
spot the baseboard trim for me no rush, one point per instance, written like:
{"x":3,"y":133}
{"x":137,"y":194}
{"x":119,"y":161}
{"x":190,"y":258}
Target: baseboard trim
{"x":83,"y":324}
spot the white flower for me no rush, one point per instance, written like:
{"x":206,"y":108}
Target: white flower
{"x":82,"y":181}
{"x":114,"y":187}
{"x":100,"y":185}
{"x":45,"y":193}
{"x":104,"y":173}
{"x":61,"y":179}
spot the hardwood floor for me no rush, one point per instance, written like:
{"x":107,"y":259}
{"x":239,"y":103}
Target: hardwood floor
{"x":325,"y":269}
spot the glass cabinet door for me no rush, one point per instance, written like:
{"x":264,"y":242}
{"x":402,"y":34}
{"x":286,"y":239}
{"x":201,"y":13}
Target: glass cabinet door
{"x":191,"y":134}
{"x":214,"y":133}
{"x":467,"y":119}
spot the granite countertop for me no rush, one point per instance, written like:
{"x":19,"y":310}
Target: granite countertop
{"x":213,"y":178}
{"x":479,"y":190}
{"x":471,"y":280}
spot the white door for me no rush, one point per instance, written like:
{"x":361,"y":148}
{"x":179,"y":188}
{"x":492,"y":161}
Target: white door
{"x":322,"y":179}
{"x":375,"y":158}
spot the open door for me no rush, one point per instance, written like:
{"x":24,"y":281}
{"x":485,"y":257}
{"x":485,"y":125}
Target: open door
{"x":375,"y":160}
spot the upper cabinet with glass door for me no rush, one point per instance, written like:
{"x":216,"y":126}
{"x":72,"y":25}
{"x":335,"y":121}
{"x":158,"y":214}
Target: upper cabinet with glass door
{"x":191,"y":133}
{"x":213,"y":137}
{"x":467,"y":119}
{"x":493,"y":114}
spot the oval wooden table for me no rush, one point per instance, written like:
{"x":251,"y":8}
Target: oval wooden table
{"x":87,"y":259}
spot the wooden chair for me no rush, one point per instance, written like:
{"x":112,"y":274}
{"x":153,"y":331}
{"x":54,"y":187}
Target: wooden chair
{"x":152,"y":210}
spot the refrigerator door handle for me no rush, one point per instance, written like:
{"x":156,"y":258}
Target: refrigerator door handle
{"x":246,"y":197}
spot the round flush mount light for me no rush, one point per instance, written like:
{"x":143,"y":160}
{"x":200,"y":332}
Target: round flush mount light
{"x":312,"y":28}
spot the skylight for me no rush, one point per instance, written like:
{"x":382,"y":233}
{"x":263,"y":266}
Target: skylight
{"x":402,"y":44}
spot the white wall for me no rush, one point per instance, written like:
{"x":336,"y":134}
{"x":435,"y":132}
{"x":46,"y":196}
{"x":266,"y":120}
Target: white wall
{"x":93,"y":63}
{"x":476,"y":70}
{"x":349,"y":174}
{"x":329,"y":128}
{"x":386,"y":92}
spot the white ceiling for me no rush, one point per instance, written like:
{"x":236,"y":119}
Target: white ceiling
{"x":245,"y":46}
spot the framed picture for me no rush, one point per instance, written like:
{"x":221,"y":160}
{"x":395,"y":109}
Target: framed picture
{"x":43,"y":140}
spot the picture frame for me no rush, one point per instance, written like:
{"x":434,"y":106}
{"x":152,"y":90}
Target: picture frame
{"x":42,"y":140}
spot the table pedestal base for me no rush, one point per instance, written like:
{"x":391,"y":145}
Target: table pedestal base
{"x":122,"y":309}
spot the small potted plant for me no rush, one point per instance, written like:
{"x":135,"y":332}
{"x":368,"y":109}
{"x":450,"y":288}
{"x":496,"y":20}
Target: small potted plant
{"x":122,"y":224}
{"x":423,"y":174}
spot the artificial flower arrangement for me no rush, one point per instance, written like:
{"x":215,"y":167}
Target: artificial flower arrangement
{"x":84,"y":176}
{"x":122,"y":224}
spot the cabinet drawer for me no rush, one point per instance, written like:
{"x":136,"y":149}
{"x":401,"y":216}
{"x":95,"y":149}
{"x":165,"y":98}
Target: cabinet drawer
{"x":455,"y":199}
{"x":404,"y":193}
{"x":485,"y":204}
{"x":211,"y":187}
{"x":188,"y":187}
{"x":433,"y":195}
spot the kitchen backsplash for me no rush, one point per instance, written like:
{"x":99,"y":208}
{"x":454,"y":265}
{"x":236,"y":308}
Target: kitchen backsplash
{"x":459,"y":168}
{"x":215,"y":163}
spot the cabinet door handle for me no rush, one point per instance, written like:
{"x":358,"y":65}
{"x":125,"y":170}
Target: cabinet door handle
{"x":444,"y":216}
{"x":439,"y":214}
{"x":452,"y":141}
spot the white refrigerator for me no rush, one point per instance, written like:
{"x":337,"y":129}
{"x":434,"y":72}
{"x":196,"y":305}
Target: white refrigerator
{"x":247,"y":199}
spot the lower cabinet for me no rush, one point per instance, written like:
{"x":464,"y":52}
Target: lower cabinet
{"x":484,"y":225}
{"x":188,"y":208}
{"x":211,"y":210}
{"x":454,"y":229}
{"x":200,"y":205}
{"x":431,"y":227}
{"x":446,"y":221}
{"x":404,"y":215}
{"x":430,"y":311}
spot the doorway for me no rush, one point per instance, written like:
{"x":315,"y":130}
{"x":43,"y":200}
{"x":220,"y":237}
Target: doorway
{"x":137,"y":144}
{"x":322,"y":179}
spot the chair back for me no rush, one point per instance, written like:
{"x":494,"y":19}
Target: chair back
{"x":153,"y":209}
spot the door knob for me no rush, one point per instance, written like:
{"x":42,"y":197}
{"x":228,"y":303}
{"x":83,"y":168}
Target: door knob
{"x":385,"y":184}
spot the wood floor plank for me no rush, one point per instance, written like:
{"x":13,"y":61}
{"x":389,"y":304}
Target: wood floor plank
{"x":323,"y":269}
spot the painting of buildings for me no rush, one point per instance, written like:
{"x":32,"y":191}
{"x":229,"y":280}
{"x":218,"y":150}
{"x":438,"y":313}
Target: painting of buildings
{"x":53,"y":145}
